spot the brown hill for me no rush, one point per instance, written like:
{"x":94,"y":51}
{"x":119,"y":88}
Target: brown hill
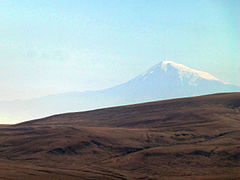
{"x":188,"y":138}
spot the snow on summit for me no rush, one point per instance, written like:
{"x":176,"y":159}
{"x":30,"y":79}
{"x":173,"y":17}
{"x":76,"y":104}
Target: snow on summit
{"x":183,"y":71}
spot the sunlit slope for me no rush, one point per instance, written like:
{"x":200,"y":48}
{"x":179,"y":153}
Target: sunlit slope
{"x":189,"y":138}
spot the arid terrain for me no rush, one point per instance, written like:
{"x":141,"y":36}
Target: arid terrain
{"x":187,"y":138}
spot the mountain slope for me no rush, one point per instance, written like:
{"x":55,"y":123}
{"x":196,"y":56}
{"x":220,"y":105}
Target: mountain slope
{"x":163,"y":81}
{"x":187,"y":138}
{"x":171,"y":80}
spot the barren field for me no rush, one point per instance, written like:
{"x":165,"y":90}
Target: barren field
{"x":187,"y":138}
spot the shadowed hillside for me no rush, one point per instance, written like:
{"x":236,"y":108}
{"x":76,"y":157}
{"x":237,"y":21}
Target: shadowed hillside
{"x":188,"y":138}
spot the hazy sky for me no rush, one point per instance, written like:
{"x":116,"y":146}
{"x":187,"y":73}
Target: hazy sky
{"x":52,"y":46}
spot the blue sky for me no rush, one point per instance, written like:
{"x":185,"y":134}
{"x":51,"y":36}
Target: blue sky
{"x":49,"y":47}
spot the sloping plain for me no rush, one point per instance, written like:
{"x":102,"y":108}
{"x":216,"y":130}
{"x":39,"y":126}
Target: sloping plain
{"x":187,"y":138}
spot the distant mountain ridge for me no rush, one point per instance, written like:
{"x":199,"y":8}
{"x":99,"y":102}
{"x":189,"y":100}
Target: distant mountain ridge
{"x":165,"y":80}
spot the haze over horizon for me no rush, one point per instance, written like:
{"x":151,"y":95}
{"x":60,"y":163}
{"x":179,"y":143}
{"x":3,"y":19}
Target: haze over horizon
{"x":166,"y":80}
{"x":50,"y":47}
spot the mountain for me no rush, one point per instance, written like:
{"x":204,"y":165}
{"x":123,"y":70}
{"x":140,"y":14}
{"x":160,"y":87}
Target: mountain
{"x":163,"y":81}
{"x":171,"y":80}
{"x":184,"y":138}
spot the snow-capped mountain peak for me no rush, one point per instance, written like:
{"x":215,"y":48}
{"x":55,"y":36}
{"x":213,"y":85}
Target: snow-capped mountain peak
{"x":182,"y":70}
